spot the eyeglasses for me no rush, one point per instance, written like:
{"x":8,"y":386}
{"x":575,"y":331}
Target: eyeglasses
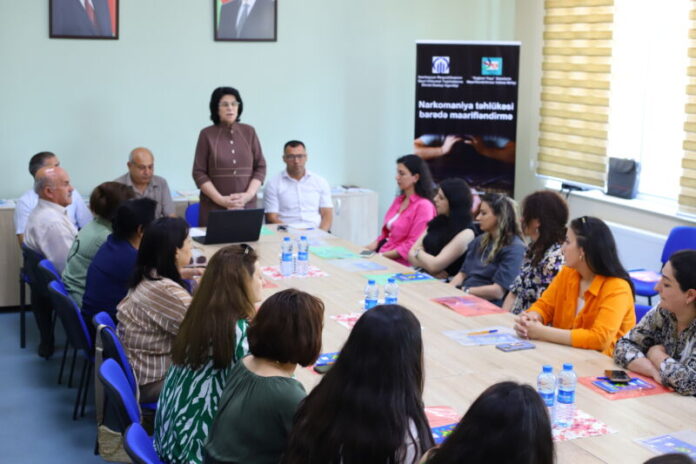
{"x":294,"y":157}
{"x":228,"y":104}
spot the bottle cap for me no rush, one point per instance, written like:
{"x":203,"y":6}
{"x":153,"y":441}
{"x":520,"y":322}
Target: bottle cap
{"x":391,"y":280}
{"x":286,"y":239}
{"x":567,"y":367}
{"x":303,"y":237}
{"x":547,"y":368}
{"x":370,"y":282}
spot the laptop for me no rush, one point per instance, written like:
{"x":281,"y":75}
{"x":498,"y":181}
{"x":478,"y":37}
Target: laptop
{"x":232,"y":226}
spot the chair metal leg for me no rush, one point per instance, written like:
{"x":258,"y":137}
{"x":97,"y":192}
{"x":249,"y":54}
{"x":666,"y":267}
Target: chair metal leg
{"x":649,"y":301}
{"x":86,"y":387}
{"x":22,"y":311}
{"x":72,"y":367}
{"x":79,"y":388}
{"x":62,"y":363}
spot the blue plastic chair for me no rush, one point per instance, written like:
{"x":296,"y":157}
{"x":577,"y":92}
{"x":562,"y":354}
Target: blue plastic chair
{"x":641,"y":310}
{"x":78,"y":336}
{"x":139,"y":447}
{"x":39,"y":295}
{"x":119,"y":394}
{"x":191,"y":214}
{"x":103,"y":318}
{"x":680,"y":238}
{"x":113,"y":349}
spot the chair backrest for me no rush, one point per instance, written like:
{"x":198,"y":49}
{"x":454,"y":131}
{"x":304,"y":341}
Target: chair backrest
{"x":641,"y":310}
{"x":119,"y":394}
{"x":112,"y":348}
{"x":31,"y":263}
{"x":192,"y":214}
{"x":71,"y":318}
{"x":48,"y":271}
{"x":680,"y":238}
{"x":139,"y":446}
{"x":103,"y":318}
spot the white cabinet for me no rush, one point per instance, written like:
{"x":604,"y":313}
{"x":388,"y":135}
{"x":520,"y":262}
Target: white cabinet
{"x":355,"y":215}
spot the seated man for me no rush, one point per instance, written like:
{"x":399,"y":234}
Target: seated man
{"x":50,"y":232}
{"x":142,"y":179}
{"x":296,"y":196}
{"x":78,"y":212}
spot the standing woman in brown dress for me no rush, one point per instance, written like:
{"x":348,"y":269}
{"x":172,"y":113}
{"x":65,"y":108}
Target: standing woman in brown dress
{"x":229,"y":166}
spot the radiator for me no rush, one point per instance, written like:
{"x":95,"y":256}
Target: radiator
{"x":638,"y":248}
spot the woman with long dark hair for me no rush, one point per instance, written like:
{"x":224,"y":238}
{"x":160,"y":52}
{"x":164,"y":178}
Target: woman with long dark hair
{"x":229,"y":166}
{"x":663,"y":344}
{"x":211,"y":339}
{"x":368,"y":407}
{"x":507,"y":424}
{"x":408,"y":215}
{"x":493,"y":259}
{"x":589,"y":304}
{"x":151,"y":313}
{"x":544,"y":218}
{"x":440,"y":249}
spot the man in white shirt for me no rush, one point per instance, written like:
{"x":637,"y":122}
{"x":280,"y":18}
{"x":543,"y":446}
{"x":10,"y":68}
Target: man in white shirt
{"x":78,"y":212}
{"x":142,"y":179}
{"x":298,"y":197}
{"x":50,"y":232}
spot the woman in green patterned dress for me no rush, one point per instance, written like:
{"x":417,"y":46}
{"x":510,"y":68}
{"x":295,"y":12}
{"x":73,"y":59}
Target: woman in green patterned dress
{"x":212,"y":338}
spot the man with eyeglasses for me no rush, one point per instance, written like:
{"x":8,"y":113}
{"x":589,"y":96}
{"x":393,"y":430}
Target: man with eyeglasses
{"x":296,"y":196}
{"x":142,"y":179}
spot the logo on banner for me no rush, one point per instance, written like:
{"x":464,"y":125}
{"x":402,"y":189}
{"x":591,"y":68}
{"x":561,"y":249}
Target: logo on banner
{"x":491,"y":66}
{"x":441,"y":64}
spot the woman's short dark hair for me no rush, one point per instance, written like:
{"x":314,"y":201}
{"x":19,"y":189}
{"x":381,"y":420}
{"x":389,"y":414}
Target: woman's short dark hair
{"x":416,"y":165}
{"x":551,"y":210}
{"x":157,"y":252}
{"x":597,"y":241}
{"x":287,"y":328}
{"x":215,"y":103}
{"x":131,"y":216}
{"x":508,"y":423}
{"x":107,"y":197}
{"x":370,"y":399}
{"x":684,"y":267}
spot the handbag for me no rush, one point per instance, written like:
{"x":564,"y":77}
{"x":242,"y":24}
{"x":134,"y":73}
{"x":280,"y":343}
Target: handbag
{"x":622,"y":180}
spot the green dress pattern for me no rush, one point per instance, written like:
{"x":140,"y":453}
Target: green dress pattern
{"x":188,"y":403}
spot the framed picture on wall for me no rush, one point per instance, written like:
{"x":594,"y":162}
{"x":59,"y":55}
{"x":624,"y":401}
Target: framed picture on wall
{"x":246,"y":20}
{"x":83,"y":19}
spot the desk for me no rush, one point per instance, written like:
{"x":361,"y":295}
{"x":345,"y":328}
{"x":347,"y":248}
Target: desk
{"x":456,"y":375}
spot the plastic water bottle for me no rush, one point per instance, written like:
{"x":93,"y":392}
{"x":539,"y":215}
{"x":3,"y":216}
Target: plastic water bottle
{"x":302,"y":263}
{"x":391,"y":291}
{"x":565,"y":402}
{"x":286,"y":264}
{"x":546,"y":386}
{"x":371,"y":294}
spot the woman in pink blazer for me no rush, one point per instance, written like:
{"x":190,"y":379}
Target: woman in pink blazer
{"x":409,"y":214}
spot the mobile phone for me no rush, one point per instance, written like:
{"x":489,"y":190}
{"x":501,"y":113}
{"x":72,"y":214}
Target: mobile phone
{"x":323,"y":368}
{"x":366,"y":253}
{"x":516,"y":346}
{"x":617,"y":376}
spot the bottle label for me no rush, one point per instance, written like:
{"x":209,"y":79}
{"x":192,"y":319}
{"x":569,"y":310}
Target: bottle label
{"x":286,"y":256}
{"x":566,"y":396}
{"x":547,"y":397}
{"x":302,"y":256}
{"x":390,"y":300}
{"x":369,"y":304}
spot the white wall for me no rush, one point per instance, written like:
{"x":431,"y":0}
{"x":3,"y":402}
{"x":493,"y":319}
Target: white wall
{"x":340,"y":77}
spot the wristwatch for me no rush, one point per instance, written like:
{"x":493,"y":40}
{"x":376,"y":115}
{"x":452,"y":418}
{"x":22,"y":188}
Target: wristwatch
{"x":417,"y":251}
{"x":465,"y":290}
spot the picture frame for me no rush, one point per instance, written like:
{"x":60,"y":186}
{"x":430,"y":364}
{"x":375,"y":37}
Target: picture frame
{"x":83,"y":19}
{"x":256,"y":23}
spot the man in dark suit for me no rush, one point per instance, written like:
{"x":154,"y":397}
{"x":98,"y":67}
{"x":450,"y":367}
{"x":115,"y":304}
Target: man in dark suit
{"x":87,"y":18}
{"x":247,"y":19}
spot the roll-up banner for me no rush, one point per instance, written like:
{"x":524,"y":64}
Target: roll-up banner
{"x":466,"y":111}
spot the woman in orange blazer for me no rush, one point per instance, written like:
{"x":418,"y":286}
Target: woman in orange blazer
{"x":589,"y":304}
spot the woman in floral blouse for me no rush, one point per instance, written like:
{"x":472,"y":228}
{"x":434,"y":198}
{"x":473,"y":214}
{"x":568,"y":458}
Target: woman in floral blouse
{"x":663,"y":344}
{"x":544,"y":218}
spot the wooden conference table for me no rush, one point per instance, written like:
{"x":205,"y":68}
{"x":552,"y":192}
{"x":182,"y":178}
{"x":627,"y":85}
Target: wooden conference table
{"x":456,"y":374}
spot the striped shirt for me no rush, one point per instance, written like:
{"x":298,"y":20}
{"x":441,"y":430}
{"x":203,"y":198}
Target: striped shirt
{"x":149,"y":318}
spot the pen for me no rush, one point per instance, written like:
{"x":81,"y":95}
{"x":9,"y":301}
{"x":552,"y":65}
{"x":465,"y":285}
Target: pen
{"x":483,"y":332}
